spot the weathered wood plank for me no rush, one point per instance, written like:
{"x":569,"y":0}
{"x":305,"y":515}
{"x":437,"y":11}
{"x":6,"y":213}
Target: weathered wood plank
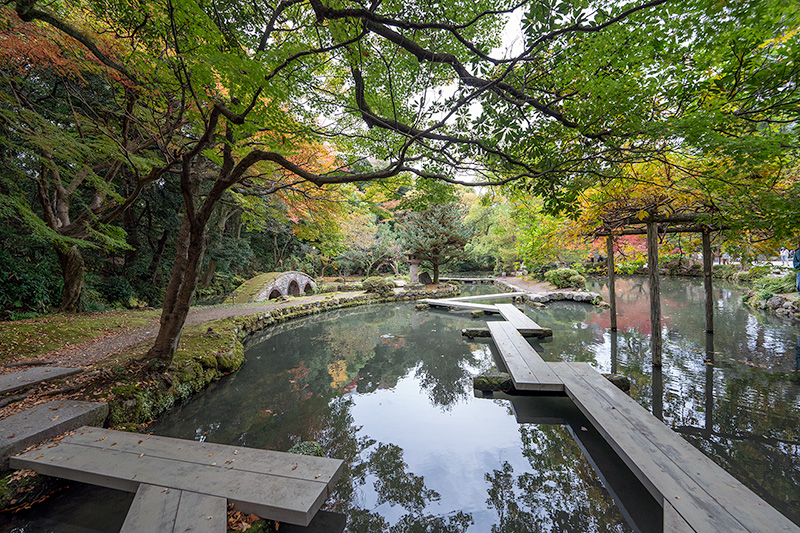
{"x":33,"y":376}
{"x":528,"y":370}
{"x":486,"y":296}
{"x":674,"y":522}
{"x":153,"y":509}
{"x":460,"y":305}
{"x":277,"y":495}
{"x":522,"y":322}
{"x":705,"y":495}
{"x":656,"y":471}
{"x":484,"y":332}
{"x":201,"y":513}
{"x":301,"y":467}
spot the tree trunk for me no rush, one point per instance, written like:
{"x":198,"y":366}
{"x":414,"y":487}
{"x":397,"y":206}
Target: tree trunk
{"x":72,"y":271}
{"x":435,"y":273}
{"x":191,"y":246}
{"x":209,"y":275}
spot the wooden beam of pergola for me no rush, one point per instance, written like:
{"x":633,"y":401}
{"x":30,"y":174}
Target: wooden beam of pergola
{"x":652,"y":230}
{"x":643,"y":231}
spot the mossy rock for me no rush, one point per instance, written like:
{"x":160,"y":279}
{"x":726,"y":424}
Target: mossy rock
{"x":493,"y":381}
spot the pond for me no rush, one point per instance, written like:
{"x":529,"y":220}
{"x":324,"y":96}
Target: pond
{"x":388,"y":389}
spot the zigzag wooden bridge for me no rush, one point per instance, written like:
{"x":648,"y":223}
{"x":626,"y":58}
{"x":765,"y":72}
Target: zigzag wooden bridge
{"x":695,"y":493}
{"x":186,"y":485}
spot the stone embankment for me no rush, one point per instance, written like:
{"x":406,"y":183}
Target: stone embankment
{"x":782,"y":305}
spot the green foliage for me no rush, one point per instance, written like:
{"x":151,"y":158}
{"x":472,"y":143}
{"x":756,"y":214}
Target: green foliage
{"x":378,"y":285}
{"x":563,"y":278}
{"x":115,"y":289}
{"x":437,"y":235}
{"x":776,"y":285}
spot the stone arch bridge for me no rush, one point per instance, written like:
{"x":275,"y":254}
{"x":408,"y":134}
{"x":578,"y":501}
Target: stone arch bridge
{"x":273,"y":285}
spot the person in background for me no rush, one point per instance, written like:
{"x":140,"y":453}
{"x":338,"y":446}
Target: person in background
{"x":796,"y":265}
{"x":784,"y":256}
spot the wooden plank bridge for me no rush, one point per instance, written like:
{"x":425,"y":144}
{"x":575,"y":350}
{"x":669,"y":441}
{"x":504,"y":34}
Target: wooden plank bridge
{"x":695,"y":493}
{"x":181,"y":482}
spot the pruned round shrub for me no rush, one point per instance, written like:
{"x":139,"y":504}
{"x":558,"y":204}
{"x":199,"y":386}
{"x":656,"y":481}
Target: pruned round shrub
{"x":378,"y":285}
{"x":565,"y":277}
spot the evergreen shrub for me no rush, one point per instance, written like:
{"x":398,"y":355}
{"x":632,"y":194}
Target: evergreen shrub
{"x":565,"y":277}
{"x":378,"y":285}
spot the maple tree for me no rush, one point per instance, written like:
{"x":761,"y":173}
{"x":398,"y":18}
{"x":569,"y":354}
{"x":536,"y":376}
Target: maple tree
{"x":77,"y":146}
{"x":589,"y":89}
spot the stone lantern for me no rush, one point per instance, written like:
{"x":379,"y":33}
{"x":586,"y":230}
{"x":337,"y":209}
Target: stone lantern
{"x":413,"y":269}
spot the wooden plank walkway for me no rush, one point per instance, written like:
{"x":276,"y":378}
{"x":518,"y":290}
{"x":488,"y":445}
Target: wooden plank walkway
{"x":528,"y":370}
{"x":455,"y":304}
{"x":175,"y":511}
{"x":469,"y":280}
{"x":695,"y":493}
{"x":522,"y":322}
{"x":487,"y":296}
{"x":33,"y":376}
{"x":273,"y":485}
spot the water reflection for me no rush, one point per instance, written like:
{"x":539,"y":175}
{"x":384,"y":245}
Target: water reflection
{"x":389,"y":390}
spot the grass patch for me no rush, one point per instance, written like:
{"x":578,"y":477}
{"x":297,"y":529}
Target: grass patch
{"x":36,"y":336}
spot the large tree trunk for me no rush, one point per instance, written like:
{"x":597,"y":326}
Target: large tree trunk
{"x":191,"y":246}
{"x":72,"y":271}
{"x":435,"y":273}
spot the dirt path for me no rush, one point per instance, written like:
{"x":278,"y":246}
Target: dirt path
{"x":97,"y":349}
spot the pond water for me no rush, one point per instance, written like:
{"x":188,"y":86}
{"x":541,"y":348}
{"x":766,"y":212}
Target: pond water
{"x":388,"y":389}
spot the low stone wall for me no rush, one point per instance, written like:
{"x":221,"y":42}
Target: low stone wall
{"x":553,"y":296}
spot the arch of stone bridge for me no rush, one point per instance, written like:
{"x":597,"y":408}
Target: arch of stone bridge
{"x":287,"y":284}
{"x":273,"y":285}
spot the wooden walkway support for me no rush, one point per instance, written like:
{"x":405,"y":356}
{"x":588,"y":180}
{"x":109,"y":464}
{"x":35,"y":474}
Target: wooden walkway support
{"x":695,"y":493}
{"x":175,"y":511}
{"x":273,"y":485}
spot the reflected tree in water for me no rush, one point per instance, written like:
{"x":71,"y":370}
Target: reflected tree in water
{"x":561,"y":492}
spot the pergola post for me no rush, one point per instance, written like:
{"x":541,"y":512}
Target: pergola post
{"x":655,"y":292}
{"x":612,"y":293}
{"x":707,"y":280}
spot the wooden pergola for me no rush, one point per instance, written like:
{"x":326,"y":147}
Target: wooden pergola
{"x":652,"y":226}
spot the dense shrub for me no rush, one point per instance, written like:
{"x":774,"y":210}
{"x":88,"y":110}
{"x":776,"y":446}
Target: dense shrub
{"x":565,"y":277}
{"x":378,"y":285}
{"x":115,"y":289}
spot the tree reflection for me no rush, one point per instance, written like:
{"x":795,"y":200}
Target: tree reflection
{"x":561,"y":492}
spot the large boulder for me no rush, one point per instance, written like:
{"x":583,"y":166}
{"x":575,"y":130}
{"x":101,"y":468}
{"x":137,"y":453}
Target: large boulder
{"x":425,"y":278}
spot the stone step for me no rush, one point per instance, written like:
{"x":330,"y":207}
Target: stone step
{"x":45,"y":421}
{"x":33,"y":376}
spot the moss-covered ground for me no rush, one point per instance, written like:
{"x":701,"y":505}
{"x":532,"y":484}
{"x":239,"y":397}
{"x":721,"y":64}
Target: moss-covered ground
{"x":36,"y":336}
